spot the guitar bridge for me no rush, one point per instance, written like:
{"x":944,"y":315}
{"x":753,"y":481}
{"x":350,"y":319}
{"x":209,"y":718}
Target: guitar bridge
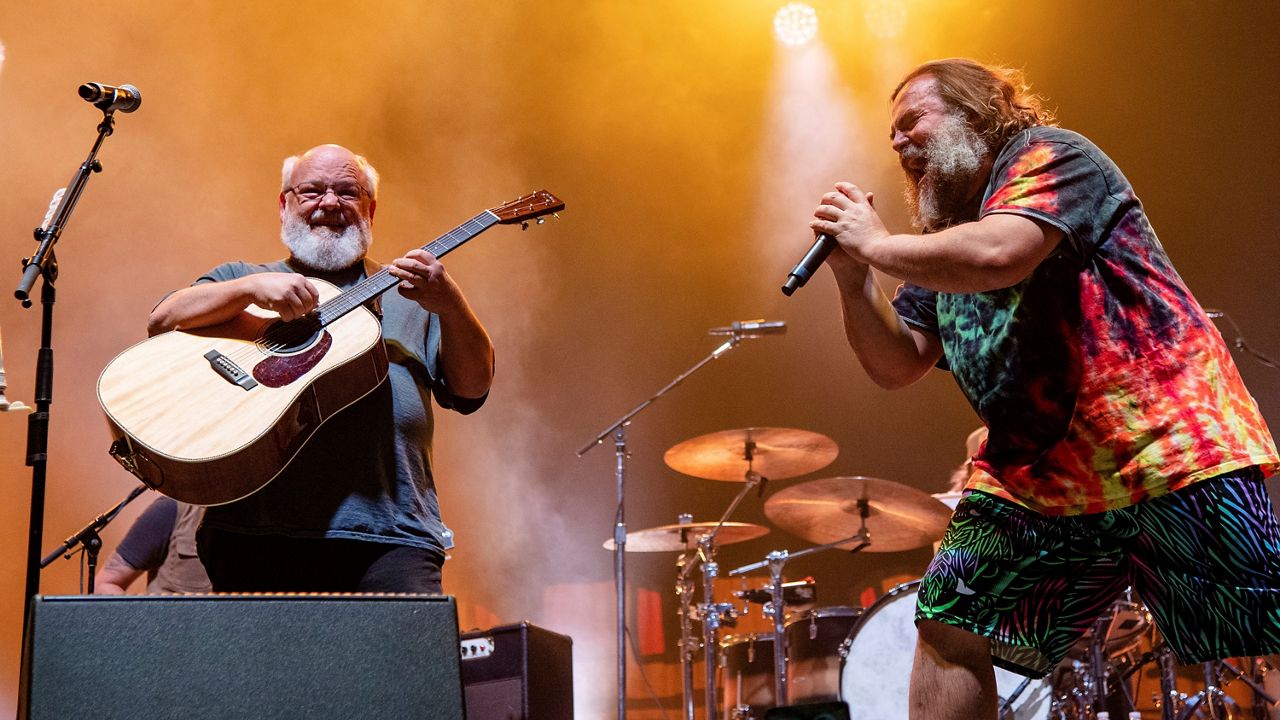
{"x":230,"y":371}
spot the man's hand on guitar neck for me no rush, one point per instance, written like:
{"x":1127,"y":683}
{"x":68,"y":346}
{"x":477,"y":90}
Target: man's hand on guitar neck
{"x":424,"y":280}
{"x":288,"y":294}
{"x":466,"y":353}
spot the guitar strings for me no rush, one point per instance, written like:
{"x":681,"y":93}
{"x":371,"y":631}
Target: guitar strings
{"x":282,"y":335}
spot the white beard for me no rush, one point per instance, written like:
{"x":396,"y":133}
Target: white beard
{"x":954,"y":155}
{"x":323,"y":248}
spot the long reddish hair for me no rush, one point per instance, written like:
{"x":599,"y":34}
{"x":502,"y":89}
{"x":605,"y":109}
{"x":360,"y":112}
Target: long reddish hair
{"x":997,"y":101}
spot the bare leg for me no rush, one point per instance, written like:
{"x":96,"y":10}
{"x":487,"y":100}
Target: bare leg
{"x":952,"y":678}
{"x":1271,"y":683}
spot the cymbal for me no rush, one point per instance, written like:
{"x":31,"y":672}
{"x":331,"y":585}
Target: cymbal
{"x":669,"y":538}
{"x":824,"y":511}
{"x":776,"y":453}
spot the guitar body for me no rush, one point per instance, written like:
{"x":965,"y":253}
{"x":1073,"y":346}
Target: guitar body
{"x":209,"y":416}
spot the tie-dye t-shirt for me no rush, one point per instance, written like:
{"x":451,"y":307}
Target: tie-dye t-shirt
{"x":1100,"y":377}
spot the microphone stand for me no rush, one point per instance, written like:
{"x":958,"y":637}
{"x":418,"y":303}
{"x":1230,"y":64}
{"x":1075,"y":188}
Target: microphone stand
{"x":619,"y":432}
{"x":44,"y":264}
{"x":89,"y":538}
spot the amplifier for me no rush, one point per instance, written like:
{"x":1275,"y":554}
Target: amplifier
{"x":517,"y":672}
{"x":241,"y":656}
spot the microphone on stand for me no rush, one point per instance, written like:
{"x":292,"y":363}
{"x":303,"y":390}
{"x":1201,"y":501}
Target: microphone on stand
{"x":109,"y":98}
{"x":751,"y":328}
{"x":809,"y":264}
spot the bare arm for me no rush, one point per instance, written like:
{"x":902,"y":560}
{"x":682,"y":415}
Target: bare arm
{"x":288,"y":294}
{"x":115,"y":577}
{"x":893,"y":353}
{"x":995,"y":252}
{"x":466,"y":352}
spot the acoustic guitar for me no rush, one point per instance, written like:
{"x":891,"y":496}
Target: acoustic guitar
{"x":211,"y":415}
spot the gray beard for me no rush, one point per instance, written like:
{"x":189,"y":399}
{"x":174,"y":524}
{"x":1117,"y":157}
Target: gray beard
{"x":321,"y":247}
{"x":954,"y":155}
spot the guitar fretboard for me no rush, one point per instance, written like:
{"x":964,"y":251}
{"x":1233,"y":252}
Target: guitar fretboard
{"x":382,"y":281}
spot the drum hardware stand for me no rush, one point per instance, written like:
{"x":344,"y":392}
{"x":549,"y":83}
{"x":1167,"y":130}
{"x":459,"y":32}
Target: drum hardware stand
{"x":1213,"y":698}
{"x":1098,"y":671}
{"x":776,"y":561}
{"x":711,"y":613}
{"x":619,"y":432}
{"x":688,"y":646}
{"x":1093,"y":679}
{"x":1006,"y":707}
{"x":1171,"y":701}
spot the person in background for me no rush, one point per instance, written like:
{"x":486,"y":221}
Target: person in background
{"x":162,"y":544}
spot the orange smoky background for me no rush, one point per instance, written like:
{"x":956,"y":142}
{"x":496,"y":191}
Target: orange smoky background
{"x":691,"y":148}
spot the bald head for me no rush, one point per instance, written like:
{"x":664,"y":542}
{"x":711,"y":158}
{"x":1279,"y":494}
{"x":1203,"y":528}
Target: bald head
{"x":331,"y":157}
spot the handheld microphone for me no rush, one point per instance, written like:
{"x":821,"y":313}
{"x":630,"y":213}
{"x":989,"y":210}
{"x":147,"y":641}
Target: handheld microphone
{"x":752,"y":328}
{"x":809,"y":264}
{"x":109,"y":98}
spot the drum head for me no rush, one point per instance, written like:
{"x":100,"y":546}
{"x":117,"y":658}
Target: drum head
{"x":876,"y":674}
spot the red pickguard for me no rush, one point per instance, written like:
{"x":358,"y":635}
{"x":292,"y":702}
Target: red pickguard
{"x":280,"y":370}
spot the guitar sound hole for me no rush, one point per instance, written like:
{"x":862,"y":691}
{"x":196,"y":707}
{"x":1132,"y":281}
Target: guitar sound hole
{"x":291,"y":338}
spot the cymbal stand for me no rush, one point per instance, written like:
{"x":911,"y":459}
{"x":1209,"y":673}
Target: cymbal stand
{"x":1179,"y":706}
{"x":776,"y":561}
{"x":618,"y":431}
{"x":688,"y":645}
{"x":713,"y":614}
{"x":1098,"y":670}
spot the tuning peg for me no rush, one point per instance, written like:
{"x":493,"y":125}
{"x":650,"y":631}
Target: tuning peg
{"x":555,"y":215}
{"x":524,"y":224}
{"x":541,"y":220}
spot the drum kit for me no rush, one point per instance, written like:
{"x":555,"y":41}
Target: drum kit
{"x":859,"y":656}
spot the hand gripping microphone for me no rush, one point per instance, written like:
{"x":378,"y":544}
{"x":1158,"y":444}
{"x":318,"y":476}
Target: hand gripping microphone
{"x":109,"y":98}
{"x":809,"y":264}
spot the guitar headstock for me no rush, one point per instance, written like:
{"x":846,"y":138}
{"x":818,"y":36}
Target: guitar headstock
{"x":524,"y":209}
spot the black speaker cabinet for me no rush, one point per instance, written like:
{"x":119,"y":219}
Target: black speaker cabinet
{"x":517,"y":672}
{"x":242,"y":656}
{"x":818,"y":711}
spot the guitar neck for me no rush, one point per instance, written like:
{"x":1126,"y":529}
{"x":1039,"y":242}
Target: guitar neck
{"x":382,"y":281}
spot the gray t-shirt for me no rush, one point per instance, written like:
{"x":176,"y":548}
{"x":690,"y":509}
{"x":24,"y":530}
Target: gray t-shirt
{"x":366,"y":473}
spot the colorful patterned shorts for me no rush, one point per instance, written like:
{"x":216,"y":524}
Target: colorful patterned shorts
{"x":1204,"y":559}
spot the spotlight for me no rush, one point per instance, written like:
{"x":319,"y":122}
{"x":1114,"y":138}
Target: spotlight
{"x":795,"y":24}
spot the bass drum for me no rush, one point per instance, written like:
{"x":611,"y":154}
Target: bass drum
{"x":876,"y":671}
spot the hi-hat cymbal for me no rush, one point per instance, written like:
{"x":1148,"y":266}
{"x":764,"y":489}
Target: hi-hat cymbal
{"x":668,"y":538}
{"x":825,"y":511}
{"x":775,"y":453}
